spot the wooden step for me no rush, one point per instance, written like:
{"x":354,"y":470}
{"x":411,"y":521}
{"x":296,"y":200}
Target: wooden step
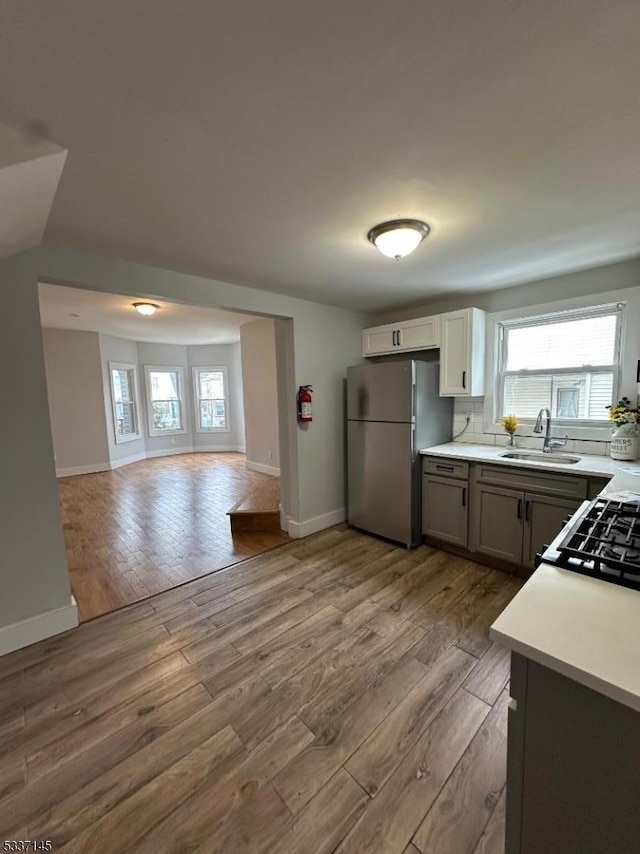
{"x":259,"y":510}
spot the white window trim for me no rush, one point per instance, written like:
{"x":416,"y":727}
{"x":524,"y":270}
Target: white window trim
{"x":196,"y":398}
{"x":584,"y":430}
{"x":153,"y":431}
{"x":125,"y":366}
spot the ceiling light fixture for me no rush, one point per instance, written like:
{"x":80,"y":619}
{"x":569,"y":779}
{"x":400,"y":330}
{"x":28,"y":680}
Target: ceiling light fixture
{"x":398,"y":237}
{"x":146,"y":308}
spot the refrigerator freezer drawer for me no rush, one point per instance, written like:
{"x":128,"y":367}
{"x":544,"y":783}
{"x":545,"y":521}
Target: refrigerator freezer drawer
{"x":380,"y":478}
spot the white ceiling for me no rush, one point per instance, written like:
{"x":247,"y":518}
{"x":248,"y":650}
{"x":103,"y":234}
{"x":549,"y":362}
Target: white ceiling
{"x":257,"y":142}
{"x":114,"y":315}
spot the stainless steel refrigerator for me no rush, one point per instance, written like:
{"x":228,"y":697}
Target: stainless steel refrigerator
{"x":393,"y":410}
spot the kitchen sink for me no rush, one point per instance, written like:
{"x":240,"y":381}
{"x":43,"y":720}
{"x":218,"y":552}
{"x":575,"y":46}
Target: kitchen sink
{"x":538,"y":457}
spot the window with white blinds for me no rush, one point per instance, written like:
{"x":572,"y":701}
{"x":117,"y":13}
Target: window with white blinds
{"x":568,"y":362}
{"x":124,"y":400}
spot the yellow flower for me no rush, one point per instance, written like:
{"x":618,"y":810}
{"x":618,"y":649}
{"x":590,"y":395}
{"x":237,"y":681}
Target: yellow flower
{"x":510,"y":424}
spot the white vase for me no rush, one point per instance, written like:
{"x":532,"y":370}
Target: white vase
{"x":624,"y":443}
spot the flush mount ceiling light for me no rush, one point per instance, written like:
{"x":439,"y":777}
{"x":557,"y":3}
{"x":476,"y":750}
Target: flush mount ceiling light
{"x":398,"y":237}
{"x":146,"y":308}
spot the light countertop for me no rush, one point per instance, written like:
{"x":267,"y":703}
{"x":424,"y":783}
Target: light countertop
{"x":583,"y":628}
{"x":589,"y":465}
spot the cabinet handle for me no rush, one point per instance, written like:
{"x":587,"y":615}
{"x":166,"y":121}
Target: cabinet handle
{"x":393,"y":336}
{"x":464,"y":496}
{"x":399,"y":333}
{"x":444,"y":468}
{"x":526,"y":511}
{"x":519,"y":508}
{"x":464,"y":379}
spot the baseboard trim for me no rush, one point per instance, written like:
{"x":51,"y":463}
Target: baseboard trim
{"x":40,"y":627}
{"x":76,"y":470}
{"x":297,"y":530}
{"x":126,"y":461}
{"x":272,"y":470}
{"x":149,"y":455}
{"x":212,"y":449}
{"x":169,"y":452}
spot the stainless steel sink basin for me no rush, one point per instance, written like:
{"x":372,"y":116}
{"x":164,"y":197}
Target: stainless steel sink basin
{"x":537,"y":457}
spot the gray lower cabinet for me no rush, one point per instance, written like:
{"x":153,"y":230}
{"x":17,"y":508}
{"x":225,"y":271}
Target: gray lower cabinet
{"x":497,"y":522}
{"x":508,"y":514}
{"x":573,"y":755}
{"x":445,"y":509}
{"x":513,"y":525}
{"x":543,"y":519}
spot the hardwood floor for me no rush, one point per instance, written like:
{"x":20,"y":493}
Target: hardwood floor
{"x":337,"y":694}
{"x":149,"y":526}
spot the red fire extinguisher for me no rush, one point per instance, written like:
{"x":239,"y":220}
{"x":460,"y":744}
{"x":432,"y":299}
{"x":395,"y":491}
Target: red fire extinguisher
{"x":304,"y":400}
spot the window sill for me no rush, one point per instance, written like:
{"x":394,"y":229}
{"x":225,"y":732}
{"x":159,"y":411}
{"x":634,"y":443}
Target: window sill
{"x":158,"y":434}
{"x":205,"y":430}
{"x":122,"y":440}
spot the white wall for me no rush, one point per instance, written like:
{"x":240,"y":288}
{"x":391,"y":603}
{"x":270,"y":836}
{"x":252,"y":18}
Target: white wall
{"x":260,"y":388}
{"x":76,"y":400}
{"x":215,"y":355}
{"x":118,"y":350}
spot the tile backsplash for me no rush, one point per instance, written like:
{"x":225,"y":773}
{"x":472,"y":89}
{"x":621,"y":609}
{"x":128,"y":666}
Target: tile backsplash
{"x":475,"y":435}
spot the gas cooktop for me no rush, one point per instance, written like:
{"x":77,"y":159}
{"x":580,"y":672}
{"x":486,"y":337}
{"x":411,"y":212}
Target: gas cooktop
{"x":602,"y":541}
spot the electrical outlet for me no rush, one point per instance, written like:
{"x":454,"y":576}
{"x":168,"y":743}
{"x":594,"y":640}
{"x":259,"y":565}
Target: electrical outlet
{"x":269,"y":455}
{"x":173,"y":440}
{"x":468,"y":415}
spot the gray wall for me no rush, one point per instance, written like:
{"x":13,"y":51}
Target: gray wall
{"x":76,"y":399}
{"x":260,"y":388}
{"x":118,"y":350}
{"x":204,"y":355}
{"x":33,"y":569}
{"x":321,"y":341}
{"x":597,"y":280}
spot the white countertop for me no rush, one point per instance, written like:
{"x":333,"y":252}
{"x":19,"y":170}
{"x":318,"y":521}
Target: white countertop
{"x":583,"y":628}
{"x":589,"y":465}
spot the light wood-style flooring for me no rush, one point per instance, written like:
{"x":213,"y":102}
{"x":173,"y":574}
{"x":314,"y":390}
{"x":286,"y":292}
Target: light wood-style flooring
{"x":337,"y":694}
{"x":149,"y":526}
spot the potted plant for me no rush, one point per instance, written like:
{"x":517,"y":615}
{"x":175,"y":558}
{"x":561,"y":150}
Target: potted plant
{"x":624,"y":440}
{"x":510,"y":424}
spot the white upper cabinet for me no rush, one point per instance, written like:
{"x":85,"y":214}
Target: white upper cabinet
{"x":460,"y":335}
{"x":462,"y":349}
{"x":420,"y":334}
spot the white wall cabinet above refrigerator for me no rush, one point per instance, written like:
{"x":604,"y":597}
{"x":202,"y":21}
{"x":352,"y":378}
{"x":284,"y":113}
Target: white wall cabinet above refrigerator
{"x":460,"y":335}
{"x":408,"y":335}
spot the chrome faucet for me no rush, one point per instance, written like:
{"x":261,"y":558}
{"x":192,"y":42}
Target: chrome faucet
{"x":549,"y":443}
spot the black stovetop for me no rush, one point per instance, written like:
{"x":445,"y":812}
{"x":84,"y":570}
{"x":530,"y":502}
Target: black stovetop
{"x":603,"y":542}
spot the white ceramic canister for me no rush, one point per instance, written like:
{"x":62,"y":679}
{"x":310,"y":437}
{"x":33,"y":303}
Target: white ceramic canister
{"x":624,"y":443}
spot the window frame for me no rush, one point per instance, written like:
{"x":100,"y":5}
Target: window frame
{"x":153,"y":430}
{"x":501,"y":373}
{"x":129,"y":367}
{"x":196,"y":370}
